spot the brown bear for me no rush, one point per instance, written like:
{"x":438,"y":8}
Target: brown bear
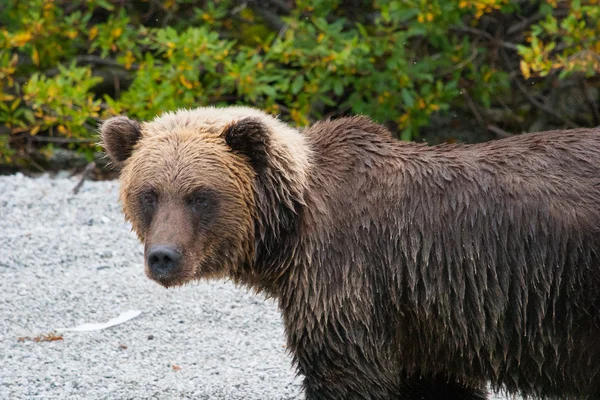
{"x":402,"y":270}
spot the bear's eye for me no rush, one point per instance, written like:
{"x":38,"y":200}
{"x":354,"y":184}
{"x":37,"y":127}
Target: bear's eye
{"x":202,"y":202}
{"x":148,"y":200}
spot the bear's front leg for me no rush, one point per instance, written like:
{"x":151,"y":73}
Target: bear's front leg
{"x":335,"y":386}
{"x":438,"y":388}
{"x":412,"y":389}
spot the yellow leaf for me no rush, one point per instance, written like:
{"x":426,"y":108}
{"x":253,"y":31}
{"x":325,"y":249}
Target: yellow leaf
{"x":93,"y":33}
{"x":15,"y":104}
{"x":115,"y":33}
{"x":403,"y":118}
{"x":62,"y":129}
{"x":35,"y":56}
{"x":525,"y":70}
{"x":129,"y":59}
{"x":6,"y":97}
{"x":71,"y":34}
{"x":20,"y":39}
{"x":320,"y":37}
{"x":34,"y":130}
{"x":185,"y":82}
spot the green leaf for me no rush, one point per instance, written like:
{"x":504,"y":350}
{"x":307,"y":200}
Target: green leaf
{"x":268,"y":90}
{"x":297,"y":84}
{"x":406,"y":134}
{"x":338,"y":87}
{"x":106,"y":5}
{"x":363,"y":31}
{"x":407,"y":97}
{"x":15,"y":104}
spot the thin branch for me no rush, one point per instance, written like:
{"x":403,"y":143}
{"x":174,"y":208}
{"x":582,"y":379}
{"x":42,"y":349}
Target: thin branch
{"x":36,"y":165}
{"x":543,"y":106}
{"x":271,"y":19}
{"x":536,"y":103}
{"x":472,"y":106}
{"x":49,"y":139}
{"x":84,"y":175}
{"x":589,"y":100}
{"x":488,"y":36}
{"x":521,"y":26}
{"x":91,"y":59}
{"x":499,"y":131}
{"x":466,"y":62}
{"x":281,"y":6}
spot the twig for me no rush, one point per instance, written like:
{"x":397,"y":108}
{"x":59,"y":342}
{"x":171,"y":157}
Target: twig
{"x":37,"y":166}
{"x":499,"y":131}
{"x":488,"y":36}
{"x":472,"y":106}
{"x":238,"y":9}
{"x":62,"y":140}
{"x":466,"y":62}
{"x":85,"y":174}
{"x":530,"y":98}
{"x":281,"y":6}
{"x":281,"y":32}
{"x":271,"y":19}
{"x":109,"y":62}
{"x":532,"y":20}
{"x":589,"y":100}
{"x":543,"y":106}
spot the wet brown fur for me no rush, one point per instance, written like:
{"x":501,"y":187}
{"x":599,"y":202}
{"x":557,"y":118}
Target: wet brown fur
{"x":402,"y":271}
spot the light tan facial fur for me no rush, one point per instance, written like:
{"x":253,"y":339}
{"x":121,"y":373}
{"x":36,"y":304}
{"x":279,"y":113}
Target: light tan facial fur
{"x":181,"y":154}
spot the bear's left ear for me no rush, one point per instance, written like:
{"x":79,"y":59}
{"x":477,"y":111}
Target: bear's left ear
{"x":119,"y":135}
{"x":249,"y":136}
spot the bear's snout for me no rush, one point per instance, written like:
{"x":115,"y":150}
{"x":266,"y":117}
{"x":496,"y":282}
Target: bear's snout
{"x":163,"y":261}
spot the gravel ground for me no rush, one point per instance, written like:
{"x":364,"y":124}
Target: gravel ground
{"x":71,"y":259}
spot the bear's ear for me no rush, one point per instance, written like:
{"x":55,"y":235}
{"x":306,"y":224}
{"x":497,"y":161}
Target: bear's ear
{"x":119,"y":135}
{"x":249,"y":136}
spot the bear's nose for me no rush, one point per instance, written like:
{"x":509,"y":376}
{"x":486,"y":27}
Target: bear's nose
{"x":163,"y":260}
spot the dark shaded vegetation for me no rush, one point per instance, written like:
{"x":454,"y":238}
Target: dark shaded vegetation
{"x":430,"y":70}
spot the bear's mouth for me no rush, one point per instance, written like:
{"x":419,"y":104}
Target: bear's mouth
{"x":166,"y":281}
{"x":184,"y":271}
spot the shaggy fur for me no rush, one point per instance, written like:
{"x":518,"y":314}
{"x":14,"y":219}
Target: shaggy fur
{"x":402,"y":271}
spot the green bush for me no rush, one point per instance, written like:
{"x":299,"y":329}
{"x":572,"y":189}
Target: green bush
{"x":65,"y":65}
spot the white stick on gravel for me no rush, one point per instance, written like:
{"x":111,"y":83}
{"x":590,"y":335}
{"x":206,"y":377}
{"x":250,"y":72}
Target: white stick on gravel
{"x":71,"y":259}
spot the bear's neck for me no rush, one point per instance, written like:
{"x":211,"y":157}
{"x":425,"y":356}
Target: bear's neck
{"x":279,"y":197}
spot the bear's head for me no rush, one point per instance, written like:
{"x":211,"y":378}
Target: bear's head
{"x":206,"y":189}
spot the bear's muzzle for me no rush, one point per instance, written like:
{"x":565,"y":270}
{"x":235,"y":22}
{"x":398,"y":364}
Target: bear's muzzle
{"x":163,"y":262}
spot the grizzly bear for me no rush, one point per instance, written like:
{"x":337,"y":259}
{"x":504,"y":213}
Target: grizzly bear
{"x":402,"y":270}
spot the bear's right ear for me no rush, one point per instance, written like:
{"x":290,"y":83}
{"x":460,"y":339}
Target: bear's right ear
{"x":119,"y":135}
{"x":249,"y":136}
